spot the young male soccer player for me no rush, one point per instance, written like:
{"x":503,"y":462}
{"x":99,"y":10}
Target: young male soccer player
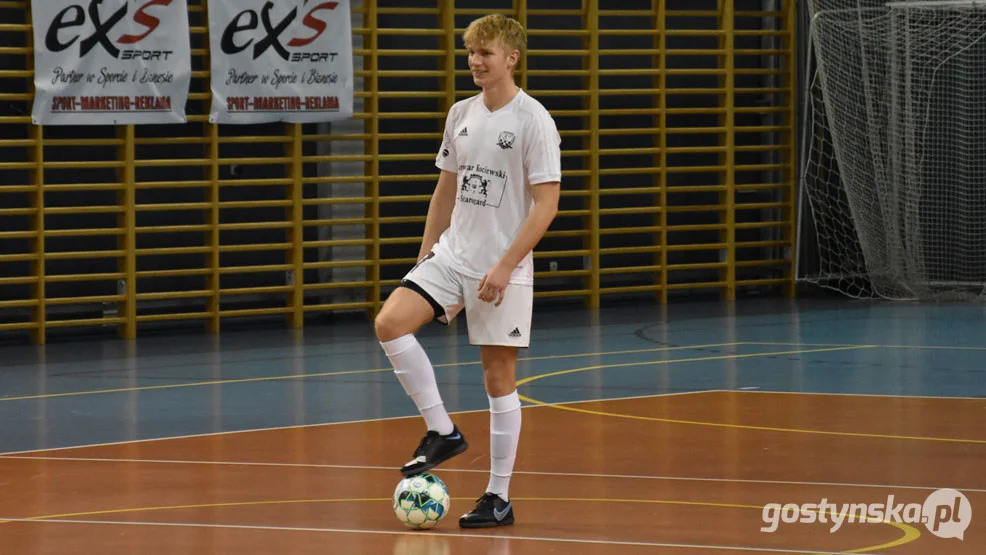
{"x":497,"y":194}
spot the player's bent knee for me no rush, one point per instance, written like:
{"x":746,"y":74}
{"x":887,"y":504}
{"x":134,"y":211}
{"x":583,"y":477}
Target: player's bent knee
{"x":383,"y":326}
{"x":389,"y":327}
{"x":404,"y":313}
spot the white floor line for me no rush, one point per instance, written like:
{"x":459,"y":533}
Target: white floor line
{"x":364,"y":421}
{"x":486,"y":471}
{"x":436,"y":535}
{"x":887,"y":395}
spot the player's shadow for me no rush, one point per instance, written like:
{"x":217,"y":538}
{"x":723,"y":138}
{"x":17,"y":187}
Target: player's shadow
{"x":432,"y":544}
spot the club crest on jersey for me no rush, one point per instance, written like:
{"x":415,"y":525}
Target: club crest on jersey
{"x":506,"y":140}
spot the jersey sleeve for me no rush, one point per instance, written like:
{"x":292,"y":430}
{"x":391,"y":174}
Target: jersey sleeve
{"x":446,"y":159}
{"x":542,"y":150}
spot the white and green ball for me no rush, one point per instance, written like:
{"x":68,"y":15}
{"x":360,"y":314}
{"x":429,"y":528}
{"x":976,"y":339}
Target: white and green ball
{"x":421,"y":501}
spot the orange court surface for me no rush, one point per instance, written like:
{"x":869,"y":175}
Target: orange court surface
{"x":645,"y":430}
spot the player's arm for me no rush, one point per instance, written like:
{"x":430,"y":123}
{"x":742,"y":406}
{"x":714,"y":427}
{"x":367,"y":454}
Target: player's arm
{"x":545,"y":196}
{"x":439,"y":211}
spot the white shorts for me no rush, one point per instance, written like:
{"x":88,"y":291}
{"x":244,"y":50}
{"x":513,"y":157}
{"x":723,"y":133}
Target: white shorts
{"x":449,"y":292}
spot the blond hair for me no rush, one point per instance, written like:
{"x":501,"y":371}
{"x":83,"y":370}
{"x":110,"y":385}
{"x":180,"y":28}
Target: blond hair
{"x":497,"y":28}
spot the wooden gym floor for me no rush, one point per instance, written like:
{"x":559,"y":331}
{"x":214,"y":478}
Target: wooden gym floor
{"x":645,"y":430}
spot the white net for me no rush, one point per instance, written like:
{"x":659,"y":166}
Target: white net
{"x":894,"y":173}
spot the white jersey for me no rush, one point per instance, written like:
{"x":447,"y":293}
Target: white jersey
{"x":497,"y":157}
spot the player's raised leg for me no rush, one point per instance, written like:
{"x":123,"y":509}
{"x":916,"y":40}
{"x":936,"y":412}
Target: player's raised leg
{"x":500,"y":373}
{"x":402,"y":315}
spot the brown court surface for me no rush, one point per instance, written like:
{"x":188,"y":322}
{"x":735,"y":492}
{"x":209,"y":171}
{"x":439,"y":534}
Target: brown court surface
{"x":677,"y":474}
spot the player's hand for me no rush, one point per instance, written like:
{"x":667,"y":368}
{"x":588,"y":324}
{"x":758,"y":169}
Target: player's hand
{"x":494,"y":283}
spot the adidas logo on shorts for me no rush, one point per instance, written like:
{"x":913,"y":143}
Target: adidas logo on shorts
{"x":515,"y":333}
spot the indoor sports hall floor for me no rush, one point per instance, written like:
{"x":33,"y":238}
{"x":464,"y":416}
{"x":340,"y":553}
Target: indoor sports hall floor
{"x":646,"y":430}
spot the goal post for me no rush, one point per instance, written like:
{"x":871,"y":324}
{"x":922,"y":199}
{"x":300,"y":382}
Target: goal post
{"x":893,"y":181}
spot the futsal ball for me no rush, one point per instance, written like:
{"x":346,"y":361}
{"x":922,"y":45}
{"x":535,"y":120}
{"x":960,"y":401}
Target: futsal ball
{"x":421,"y":501}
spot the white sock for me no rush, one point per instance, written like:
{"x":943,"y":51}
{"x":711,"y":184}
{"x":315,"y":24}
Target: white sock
{"x":414,"y":371}
{"x":504,"y":435}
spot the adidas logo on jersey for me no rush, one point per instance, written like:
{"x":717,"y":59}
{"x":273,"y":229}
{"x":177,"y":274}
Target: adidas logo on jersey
{"x":464,"y":132}
{"x":515,"y":333}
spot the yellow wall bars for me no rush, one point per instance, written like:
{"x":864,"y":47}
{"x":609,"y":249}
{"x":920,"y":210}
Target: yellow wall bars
{"x":678,"y":128}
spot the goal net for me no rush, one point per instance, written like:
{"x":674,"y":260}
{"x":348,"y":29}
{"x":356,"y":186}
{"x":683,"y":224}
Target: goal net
{"x":894,"y":149}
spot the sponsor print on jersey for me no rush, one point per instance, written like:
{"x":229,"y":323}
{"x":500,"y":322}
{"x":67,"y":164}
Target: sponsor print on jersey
{"x":481,"y":185}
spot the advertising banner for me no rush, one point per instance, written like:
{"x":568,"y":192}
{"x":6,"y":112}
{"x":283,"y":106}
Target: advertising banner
{"x":110,"y":62}
{"x":287,"y":61}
